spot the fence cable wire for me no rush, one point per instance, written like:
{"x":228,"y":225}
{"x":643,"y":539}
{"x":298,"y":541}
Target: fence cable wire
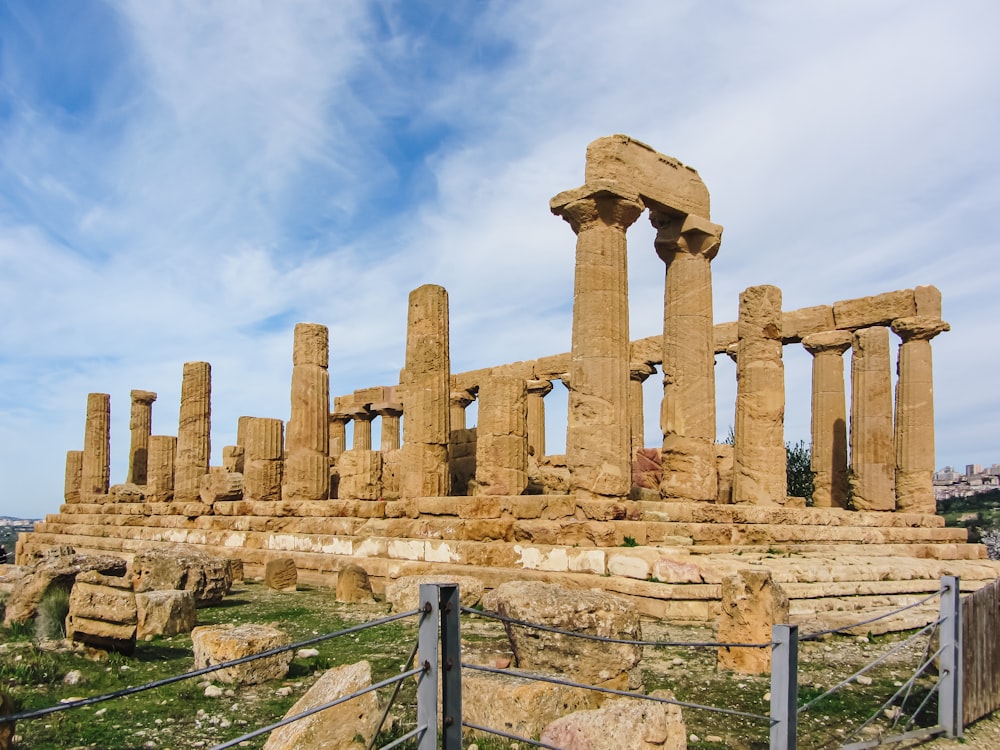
{"x":204,"y":670}
{"x":508,"y":736}
{"x":604,"y":638}
{"x":821,"y":633}
{"x":409,"y":735}
{"x":612,"y":691}
{"x":395,"y":694}
{"x":925,"y":661}
{"x":316,"y":709}
{"x":868,"y":666}
{"x":884,"y":706}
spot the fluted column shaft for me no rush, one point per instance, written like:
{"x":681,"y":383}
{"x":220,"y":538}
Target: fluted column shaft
{"x":140,"y":425}
{"x":828,"y":459}
{"x":263,"y":460}
{"x":458,"y":402}
{"x":638,"y":373}
{"x":160,"y":468}
{"x":598,"y":439}
{"x":687,"y":416}
{"x":502,"y":437}
{"x":362,"y":421}
{"x":872,"y":453}
{"x":915,"y":414}
{"x":74,"y":476}
{"x":390,"y":414}
{"x":536,"y":392}
{"x":307,"y":440}
{"x":193,"y":431}
{"x":338,"y":434}
{"x":96,"y":468}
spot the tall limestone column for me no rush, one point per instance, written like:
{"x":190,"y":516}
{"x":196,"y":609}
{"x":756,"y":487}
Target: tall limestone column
{"x":194,"y":431}
{"x":915,"y":414}
{"x":307,"y":441}
{"x":598,"y":439}
{"x":637,"y":375}
{"x":687,"y":417}
{"x":160,"y":468}
{"x":263,"y":460}
{"x":426,"y":390}
{"x":536,"y":391}
{"x":502,"y":437}
{"x":872,"y":454}
{"x":759,"y":452}
{"x":74,"y":476}
{"x":829,"y":417}
{"x":96,"y":470}
{"x":140,"y":424}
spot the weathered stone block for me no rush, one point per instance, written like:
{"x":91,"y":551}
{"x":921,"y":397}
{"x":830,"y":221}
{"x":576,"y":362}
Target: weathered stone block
{"x":280,"y":574}
{"x":215,"y":644}
{"x":165,"y":613}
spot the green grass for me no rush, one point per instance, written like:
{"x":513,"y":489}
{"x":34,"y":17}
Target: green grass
{"x":977,"y":513}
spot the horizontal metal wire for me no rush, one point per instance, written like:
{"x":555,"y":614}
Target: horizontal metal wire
{"x":821,"y":633}
{"x":508,"y":736}
{"x":604,"y":638}
{"x":204,"y":670}
{"x":868,"y":666}
{"x":887,"y":704}
{"x":400,"y":740}
{"x":395,"y":694}
{"x":612,"y":691}
{"x":317,"y":709}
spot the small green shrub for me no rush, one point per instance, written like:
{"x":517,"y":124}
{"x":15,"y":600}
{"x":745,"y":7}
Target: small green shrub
{"x":50,"y":622}
{"x":630,"y":541}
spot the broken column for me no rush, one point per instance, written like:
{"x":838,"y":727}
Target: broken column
{"x":307,"y":442}
{"x":759,"y":451}
{"x":426,"y":390}
{"x":598,"y":439}
{"x":872,"y":454}
{"x":829,"y":418}
{"x":96,"y":469}
{"x":915,"y":414}
{"x":536,"y":392}
{"x":502,"y":437}
{"x":638,"y":373}
{"x":752,"y":603}
{"x":262,"y":462}
{"x":687,"y":245}
{"x":74,"y":476}
{"x":140,"y":425}
{"x":194,"y":431}
{"x":160,"y":468}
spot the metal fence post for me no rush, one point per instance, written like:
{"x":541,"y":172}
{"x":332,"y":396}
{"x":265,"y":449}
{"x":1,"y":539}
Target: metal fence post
{"x":950,"y":661}
{"x":784,"y":686}
{"x":427,"y":650}
{"x":451,"y":665}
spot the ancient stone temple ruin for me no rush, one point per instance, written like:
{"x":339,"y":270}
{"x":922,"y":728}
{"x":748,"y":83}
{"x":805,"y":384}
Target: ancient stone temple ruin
{"x":662,"y":525}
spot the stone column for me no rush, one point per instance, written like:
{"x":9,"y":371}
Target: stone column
{"x":390,"y":414}
{"x":458,"y":402}
{"x":915,"y":414}
{"x":759,"y":452}
{"x":194,"y":431}
{"x":160,"y":468}
{"x":74,"y":476}
{"x":829,"y":417}
{"x":638,"y":373}
{"x":338,"y":430}
{"x":598,"y":442}
{"x":241,"y":431}
{"x":502,"y":437}
{"x":426,"y":389}
{"x":872,"y":454}
{"x":96,"y":468}
{"x":307,"y":463}
{"x":536,"y":391}
{"x":687,"y":418}
{"x":140,"y":424}
{"x":262,"y":462}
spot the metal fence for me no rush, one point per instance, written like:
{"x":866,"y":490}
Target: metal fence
{"x":981,"y":652}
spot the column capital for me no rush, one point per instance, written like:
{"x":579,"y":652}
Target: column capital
{"x":387,"y":409}
{"x":461,"y":398}
{"x":639,"y":371}
{"x":143,"y":397}
{"x":827,"y":341}
{"x":918,"y":328}
{"x":601,"y":201}
{"x":684,"y":233}
{"x":359,"y":413}
{"x":539,"y":387}
{"x":341,"y":417}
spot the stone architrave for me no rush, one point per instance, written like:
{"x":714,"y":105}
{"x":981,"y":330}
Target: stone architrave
{"x":759,"y":450}
{"x":872,"y":455}
{"x":160,"y":468}
{"x":915,"y":414}
{"x":74,"y":476}
{"x":458,"y":402}
{"x":389,"y":413}
{"x":638,"y":373}
{"x":829,"y":417}
{"x":598,"y":439}
{"x":193,"y":431}
{"x":687,"y":246}
{"x":140,"y":426}
{"x":537,"y":390}
{"x":96,"y":470}
{"x":426,"y":390}
{"x":502,"y":437}
{"x":307,"y":438}
{"x":751,"y":605}
{"x":262,"y":466}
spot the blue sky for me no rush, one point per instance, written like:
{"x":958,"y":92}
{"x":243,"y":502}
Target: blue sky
{"x":184,"y":181}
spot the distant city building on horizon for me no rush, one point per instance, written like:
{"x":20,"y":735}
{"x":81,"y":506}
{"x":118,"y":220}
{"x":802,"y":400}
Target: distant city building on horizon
{"x":949,"y":483}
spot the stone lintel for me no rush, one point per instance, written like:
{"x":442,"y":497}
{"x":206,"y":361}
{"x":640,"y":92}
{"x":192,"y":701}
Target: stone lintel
{"x":796,"y":324}
{"x":878,"y":310}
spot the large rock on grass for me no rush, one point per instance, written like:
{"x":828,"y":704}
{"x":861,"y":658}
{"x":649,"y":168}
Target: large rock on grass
{"x":353,"y":585}
{"x":404,"y":593}
{"x":183,"y":568}
{"x":630,"y":723}
{"x":165,"y":613}
{"x":102,"y":612}
{"x":214,"y":644}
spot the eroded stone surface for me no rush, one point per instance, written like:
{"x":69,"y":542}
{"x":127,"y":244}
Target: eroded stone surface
{"x":102,"y":612}
{"x":164,"y":613}
{"x":752,"y":603}
{"x":621,"y":723}
{"x":183,"y":568}
{"x":215,"y":644}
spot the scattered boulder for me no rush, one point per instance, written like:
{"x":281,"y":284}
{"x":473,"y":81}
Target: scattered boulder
{"x":404,"y":593}
{"x":220,"y":485}
{"x":58,"y":567}
{"x":102,"y":612}
{"x":126,"y":493}
{"x":353,"y":585}
{"x":625,"y":722}
{"x":183,"y":568}
{"x":336,"y":728}
{"x":280,"y":574}
{"x":751,"y":604}
{"x":165,"y":613}
{"x":214,"y":644}
{"x":580,"y":611}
